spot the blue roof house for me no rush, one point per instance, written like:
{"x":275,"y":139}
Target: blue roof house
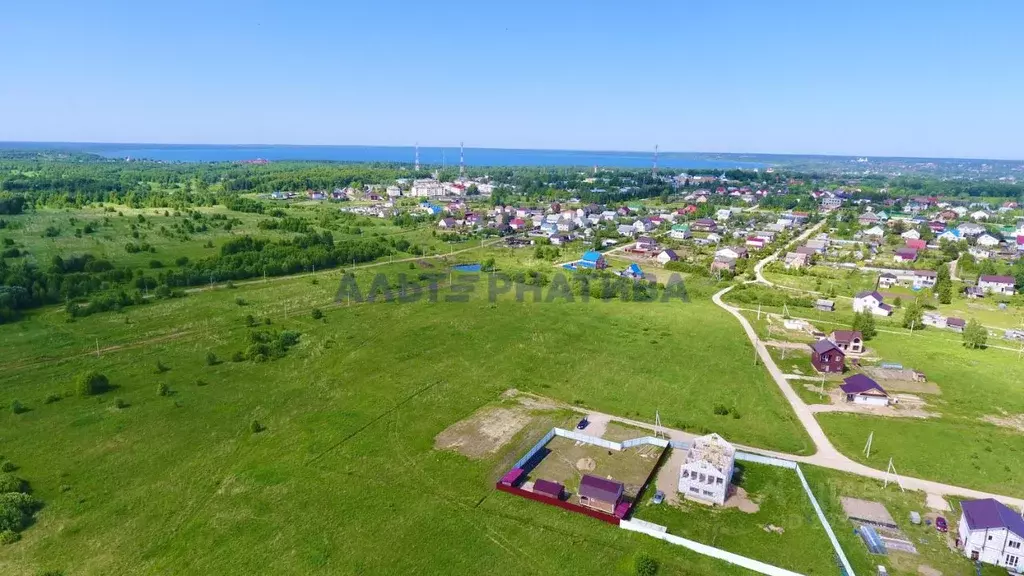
{"x":593,"y":260}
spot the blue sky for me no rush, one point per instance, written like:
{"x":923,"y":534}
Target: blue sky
{"x":914,"y":77}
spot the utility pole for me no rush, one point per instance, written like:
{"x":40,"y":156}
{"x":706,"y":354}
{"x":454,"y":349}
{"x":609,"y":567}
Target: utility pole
{"x":867,"y":447}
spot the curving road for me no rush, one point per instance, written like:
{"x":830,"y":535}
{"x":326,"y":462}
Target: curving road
{"x":827,"y":456}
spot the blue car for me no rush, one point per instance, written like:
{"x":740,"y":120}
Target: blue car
{"x":659,"y":497}
{"x":582,"y":424}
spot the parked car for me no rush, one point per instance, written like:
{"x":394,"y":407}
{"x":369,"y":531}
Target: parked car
{"x":659,"y":497}
{"x":940,"y":524}
{"x":582,"y":423}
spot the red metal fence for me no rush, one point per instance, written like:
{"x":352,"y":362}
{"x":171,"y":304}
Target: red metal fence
{"x":559,"y":503}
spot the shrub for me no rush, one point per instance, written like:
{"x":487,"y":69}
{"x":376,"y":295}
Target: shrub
{"x":200,"y":382}
{"x":645,"y":565}
{"x":92,"y":383}
{"x":211,"y":359}
{"x":238,"y":357}
{"x":240,"y":301}
{"x":161,"y":367}
{"x":11,"y":483}
{"x":17,"y":407}
{"x":317,"y":313}
{"x":51,"y":398}
{"x":721,"y":410}
{"x":120,"y":404}
{"x":9,"y":537}
{"x":256,"y":427}
{"x":8,"y":466}
{"x":162,"y":389}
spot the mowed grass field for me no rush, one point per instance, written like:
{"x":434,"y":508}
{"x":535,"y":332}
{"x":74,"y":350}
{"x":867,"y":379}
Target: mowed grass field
{"x":345,"y":480}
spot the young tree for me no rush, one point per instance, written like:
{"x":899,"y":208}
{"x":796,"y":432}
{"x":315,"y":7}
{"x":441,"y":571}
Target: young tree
{"x":975,"y":335}
{"x":864,"y":322}
{"x":912,"y":315}
{"x":944,"y":290}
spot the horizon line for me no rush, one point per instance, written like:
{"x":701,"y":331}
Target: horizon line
{"x":599,"y":151}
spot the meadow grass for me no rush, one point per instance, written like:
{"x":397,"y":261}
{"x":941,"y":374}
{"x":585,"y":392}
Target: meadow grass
{"x":344,"y":479}
{"x":803,"y":546}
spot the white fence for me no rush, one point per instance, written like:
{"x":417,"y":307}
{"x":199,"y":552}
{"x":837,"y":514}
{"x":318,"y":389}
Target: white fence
{"x":743,"y":561}
{"x":824,"y":522}
{"x":536,"y":448}
{"x":608,"y":444}
{"x":770,"y":461}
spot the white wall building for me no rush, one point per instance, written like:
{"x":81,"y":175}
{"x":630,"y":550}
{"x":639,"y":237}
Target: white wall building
{"x":708,"y":469}
{"x":871,"y":302}
{"x":997,"y":284}
{"x":993,"y":533}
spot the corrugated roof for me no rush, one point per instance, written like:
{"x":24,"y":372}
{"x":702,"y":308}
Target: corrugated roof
{"x":547,"y":487}
{"x":859,"y":383}
{"x":990,"y":513}
{"x":600,"y":488}
{"x":822,"y":346}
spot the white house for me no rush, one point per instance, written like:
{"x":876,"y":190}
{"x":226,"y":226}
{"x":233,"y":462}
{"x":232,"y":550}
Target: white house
{"x":713,"y":238}
{"x":987,"y":240}
{"x":707,"y":471}
{"x":666,"y":256}
{"x":997,"y":284}
{"x":979,"y":215}
{"x":875,"y":232}
{"x":933,"y":319}
{"x":723,"y":214}
{"x":860,"y":389}
{"x":871,"y":302}
{"x":951,"y":236}
{"x":979,"y":253}
{"x":971,"y":229}
{"x":992,"y":532}
{"x":731,"y":253}
{"x":911,"y":234}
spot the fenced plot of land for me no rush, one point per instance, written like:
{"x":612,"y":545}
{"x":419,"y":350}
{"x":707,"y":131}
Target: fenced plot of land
{"x":566,"y":461}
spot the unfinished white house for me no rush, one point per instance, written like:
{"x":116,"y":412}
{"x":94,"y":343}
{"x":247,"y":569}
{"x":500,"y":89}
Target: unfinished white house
{"x":708,"y":469}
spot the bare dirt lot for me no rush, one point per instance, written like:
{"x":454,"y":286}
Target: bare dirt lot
{"x":483,"y":433}
{"x":901,"y":381}
{"x":1014,"y":421}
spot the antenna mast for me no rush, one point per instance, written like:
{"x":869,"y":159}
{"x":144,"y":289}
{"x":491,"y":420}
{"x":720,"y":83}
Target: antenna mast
{"x":462,"y":162}
{"x":417,"y":164}
{"x":654,"y":171}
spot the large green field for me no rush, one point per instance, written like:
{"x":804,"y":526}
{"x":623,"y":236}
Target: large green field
{"x":344,"y":479}
{"x":958,"y":447}
{"x":976,"y":386}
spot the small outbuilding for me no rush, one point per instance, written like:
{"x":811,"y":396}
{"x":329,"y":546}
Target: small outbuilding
{"x":548,"y":488}
{"x":600,"y":494}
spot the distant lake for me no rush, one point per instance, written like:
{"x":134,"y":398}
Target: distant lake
{"x":431,"y":156}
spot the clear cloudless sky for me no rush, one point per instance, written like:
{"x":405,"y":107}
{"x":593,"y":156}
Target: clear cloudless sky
{"x":898,"y":77}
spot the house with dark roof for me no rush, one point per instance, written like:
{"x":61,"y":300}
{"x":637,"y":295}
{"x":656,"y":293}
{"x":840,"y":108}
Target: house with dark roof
{"x":991,"y":532}
{"x":825,"y":305}
{"x":905,"y":255}
{"x":956,"y":324}
{"x":600,"y":493}
{"x":849,"y":341}
{"x":997,"y":284}
{"x":704,"y":225}
{"x":860,"y":389}
{"x":870,"y":301}
{"x":826,"y":357}
{"x":666,"y":256}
